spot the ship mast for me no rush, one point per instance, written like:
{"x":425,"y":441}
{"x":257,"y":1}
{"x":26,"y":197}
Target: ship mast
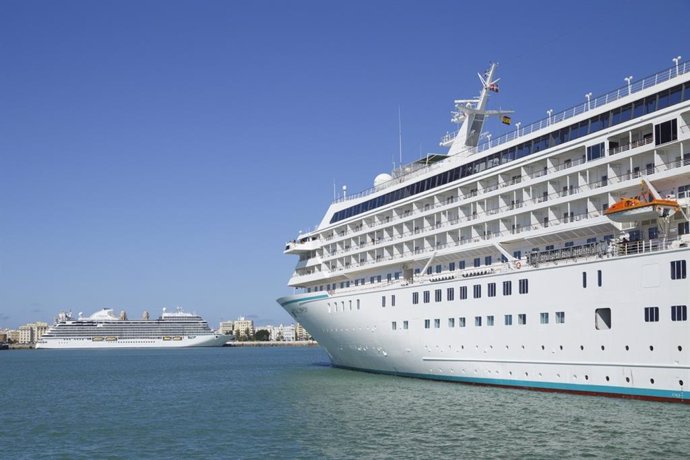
{"x":470,"y":114}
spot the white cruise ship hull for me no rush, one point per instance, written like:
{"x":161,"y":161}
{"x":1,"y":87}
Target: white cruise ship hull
{"x":564,"y":292}
{"x":631,"y":359}
{"x":215,"y":340}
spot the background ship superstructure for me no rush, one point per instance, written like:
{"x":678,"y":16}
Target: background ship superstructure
{"x":497,"y":263}
{"x":104,"y":329}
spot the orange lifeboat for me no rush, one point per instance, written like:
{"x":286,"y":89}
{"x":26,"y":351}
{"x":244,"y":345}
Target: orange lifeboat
{"x":641,"y":208}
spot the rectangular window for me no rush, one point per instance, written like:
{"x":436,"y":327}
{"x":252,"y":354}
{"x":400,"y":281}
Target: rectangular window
{"x":584,"y":279}
{"x":560,"y":317}
{"x":461,"y":321}
{"x":451,"y":267}
{"x":415,"y":298}
{"x":405,"y":324}
{"x":507,"y":288}
{"x":524,"y":287}
{"x":461,"y":265}
{"x":451,"y":322}
{"x":544,"y":318}
{"x":679,"y":313}
{"x":666,"y":132}
{"x":522,"y":318}
{"x":437,"y":323}
{"x":383,"y":301}
{"x":477,"y":261}
{"x":477,"y":320}
{"x":393,"y":300}
{"x":439,"y":268}
{"x":678,"y":270}
{"x":508,"y":320}
{"x":438,"y":295}
{"x":595,"y":151}
{"x":490,"y":320}
{"x":427,"y":296}
{"x":427,"y":323}
{"x":450,"y":294}
{"x":394,"y":325}
{"x":491,"y":287}
{"x":463,"y":292}
{"x":599,"y":278}
{"x":477,"y":288}
{"x":487,"y":260}
{"x":651,"y":314}
{"x":602,"y":319}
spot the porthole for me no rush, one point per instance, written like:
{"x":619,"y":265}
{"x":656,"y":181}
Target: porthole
{"x":680,"y":348}
{"x":542,"y":347}
{"x":680,"y":382}
{"x":510,"y":372}
{"x":561,"y":347}
{"x":526,"y":374}
{"x":607,"y":378}
{"x":627,"y":379}
{"x":582,"y":347}
{"x":627,"y":348}
{"x":507,"y":347}
{"x":602,"y":348}
{"x":523,"y":347}
{"x":651,"y":381}
{"x":586,"y":377}
{"x":651,"y":348}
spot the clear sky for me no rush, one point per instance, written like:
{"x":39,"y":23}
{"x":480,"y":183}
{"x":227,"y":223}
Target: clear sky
{"x":160,"y":153}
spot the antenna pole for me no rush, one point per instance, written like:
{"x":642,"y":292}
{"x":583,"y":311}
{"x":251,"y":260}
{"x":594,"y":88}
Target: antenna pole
{"x":399,"y":136}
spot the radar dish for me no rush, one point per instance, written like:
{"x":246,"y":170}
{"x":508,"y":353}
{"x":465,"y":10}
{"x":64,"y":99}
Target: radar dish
{"x":381,"y":179}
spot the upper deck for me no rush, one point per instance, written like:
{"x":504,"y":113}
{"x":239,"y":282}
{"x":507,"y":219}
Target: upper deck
{"x":553,"y":123}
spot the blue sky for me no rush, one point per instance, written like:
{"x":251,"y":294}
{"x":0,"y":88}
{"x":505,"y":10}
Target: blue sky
{"x":160,"y":153}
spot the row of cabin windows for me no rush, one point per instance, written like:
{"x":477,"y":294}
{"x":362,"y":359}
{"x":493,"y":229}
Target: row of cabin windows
{"x":383,"y":301}
{"x":490,"y":320}
{"x":405,"y":325}
{"x":340,"y":306}
{"x":678,"y":313}
{"x":523,"y":288}
{"x":595,"y":124}
{"x":584,"y":279}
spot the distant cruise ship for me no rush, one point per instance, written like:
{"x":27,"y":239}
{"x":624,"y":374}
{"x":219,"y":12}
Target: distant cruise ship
{"x":104,"y":329}
{"x":553,"y":258}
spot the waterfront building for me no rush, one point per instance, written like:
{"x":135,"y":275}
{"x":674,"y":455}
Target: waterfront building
{"x":225,"y":327}
{"x":243,"y":327}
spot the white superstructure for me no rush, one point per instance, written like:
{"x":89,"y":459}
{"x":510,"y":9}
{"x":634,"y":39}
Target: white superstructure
{"x":104,"y":329}
{"x":498,"y":263}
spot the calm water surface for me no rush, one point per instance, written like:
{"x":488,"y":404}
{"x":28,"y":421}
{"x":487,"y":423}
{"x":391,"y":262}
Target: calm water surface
{"x":289,"y":403}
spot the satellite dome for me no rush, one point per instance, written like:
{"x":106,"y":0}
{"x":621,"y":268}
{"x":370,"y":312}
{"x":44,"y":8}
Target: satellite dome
{"x":381,"y":179}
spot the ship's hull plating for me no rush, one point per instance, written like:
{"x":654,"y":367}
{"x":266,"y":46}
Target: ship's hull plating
{"x":628,"y":357}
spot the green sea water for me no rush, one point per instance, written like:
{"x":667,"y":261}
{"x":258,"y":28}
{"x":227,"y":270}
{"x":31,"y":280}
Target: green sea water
{"x":290,"y":403}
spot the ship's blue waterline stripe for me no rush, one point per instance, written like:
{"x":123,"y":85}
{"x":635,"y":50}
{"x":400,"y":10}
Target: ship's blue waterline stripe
{"x":583,"y":388}
{"x":306,"y":299}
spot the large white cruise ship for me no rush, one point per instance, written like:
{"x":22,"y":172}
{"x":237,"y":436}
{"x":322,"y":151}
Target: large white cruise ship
{"x":553,"y":258}
{"x":104,"y":329}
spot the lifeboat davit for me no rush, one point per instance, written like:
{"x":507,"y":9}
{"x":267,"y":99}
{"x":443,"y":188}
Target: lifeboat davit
{"x":633,"y":209}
